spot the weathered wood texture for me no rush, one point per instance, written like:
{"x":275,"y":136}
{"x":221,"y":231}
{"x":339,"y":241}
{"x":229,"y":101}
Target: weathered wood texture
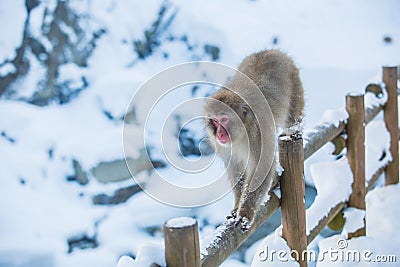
{"x":375,"y":178}
{"x":356,"y":153}
{"x":291,"y":156}
{"x":391,"y":121}
{"x":182,"y":244}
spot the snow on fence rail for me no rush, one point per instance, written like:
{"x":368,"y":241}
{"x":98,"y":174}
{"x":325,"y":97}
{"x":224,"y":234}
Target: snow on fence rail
{"x":182,"y":247}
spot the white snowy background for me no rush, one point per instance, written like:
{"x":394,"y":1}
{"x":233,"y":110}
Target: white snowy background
{"x":338,"y":45}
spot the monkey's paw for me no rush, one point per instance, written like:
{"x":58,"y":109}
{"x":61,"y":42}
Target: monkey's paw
{"x":244,"y":223}
{"x":232,"y":215}
{"x":245,"y":217}
{"x":296,"y":135}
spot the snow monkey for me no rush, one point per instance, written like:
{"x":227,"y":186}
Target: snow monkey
{"x":243,"y":119}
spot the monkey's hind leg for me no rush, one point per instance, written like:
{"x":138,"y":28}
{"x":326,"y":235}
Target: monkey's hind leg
{"x":237,"y":192}
{"x":296,"y":109}
{"x":250,"y":201}
{"x":247,"y":210}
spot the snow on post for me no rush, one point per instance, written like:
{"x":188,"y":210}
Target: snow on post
{"x":356,"y":153}
{"x":291,"y":156}
{"x":181,"y":239}
{"x":392,"y":125}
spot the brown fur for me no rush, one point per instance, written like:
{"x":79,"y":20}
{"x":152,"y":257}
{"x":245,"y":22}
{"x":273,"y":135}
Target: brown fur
{"x":277,"y":77}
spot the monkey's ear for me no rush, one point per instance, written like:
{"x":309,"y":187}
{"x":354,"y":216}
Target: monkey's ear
{"x":245,"y":109}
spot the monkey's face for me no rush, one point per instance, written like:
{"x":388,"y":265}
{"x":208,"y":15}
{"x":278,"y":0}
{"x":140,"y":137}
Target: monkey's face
{"x":221,"y":126}
{"x":224,"y":122}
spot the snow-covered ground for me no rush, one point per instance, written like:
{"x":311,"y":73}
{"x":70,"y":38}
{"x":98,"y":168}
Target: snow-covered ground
{"x":338,"y":45}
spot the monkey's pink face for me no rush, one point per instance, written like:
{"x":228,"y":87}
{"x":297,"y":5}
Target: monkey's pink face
{"x":222,"y":125}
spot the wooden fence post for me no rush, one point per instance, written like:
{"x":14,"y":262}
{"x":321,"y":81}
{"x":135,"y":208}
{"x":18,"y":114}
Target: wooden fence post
{"x":356,"y":153}
{"x":291,"y":156}
{"x":391,"y":120}
{"x":182,"y":242}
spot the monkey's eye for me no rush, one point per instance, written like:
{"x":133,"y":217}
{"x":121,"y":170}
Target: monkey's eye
{"x":223,"y":120}
{"x":245,"y":109}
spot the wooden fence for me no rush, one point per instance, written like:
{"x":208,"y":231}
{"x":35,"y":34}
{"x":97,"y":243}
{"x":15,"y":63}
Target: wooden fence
{"x":182,"y":243}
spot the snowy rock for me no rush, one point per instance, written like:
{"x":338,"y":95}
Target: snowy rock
{"x":145,"y":47}
{"x":213,"y":51}
{"x":52,"y":39}
{"x":117,"y":170}
{"x":6,"y":69}
{"x":11,"y":35}
{"x":82,"y":241}
{"x":80,"y":175}
{"x":118,"y":197}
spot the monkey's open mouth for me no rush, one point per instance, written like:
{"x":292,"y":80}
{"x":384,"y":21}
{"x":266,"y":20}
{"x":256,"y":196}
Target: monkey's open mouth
{"x":221,"y":134}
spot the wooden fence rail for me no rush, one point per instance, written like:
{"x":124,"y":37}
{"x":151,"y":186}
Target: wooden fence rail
{"x":229,"y":237}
